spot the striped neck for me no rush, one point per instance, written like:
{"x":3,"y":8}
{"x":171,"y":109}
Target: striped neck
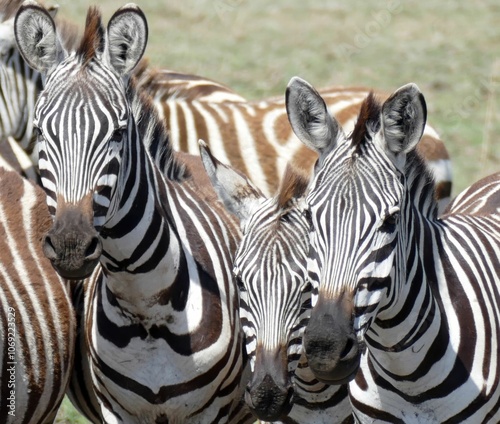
{"x":414,"y":296}
{"x":141,"y":249}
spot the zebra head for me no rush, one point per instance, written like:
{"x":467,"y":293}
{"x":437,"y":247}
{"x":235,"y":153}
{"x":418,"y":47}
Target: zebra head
{"x":270,"y":270}
{"x":83,"y":122}
{"x":354,"y":207}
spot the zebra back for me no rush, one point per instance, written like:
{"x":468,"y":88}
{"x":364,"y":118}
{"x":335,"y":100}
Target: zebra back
{"x":482,"y":197}
{"x":37,"y":325}
{"x":166,"y":85}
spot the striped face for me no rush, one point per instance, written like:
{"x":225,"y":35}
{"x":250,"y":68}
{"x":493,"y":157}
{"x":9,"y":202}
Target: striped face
{"x":270,"y":267}
{"x":81,"y":120}
{"x":354,"y":206}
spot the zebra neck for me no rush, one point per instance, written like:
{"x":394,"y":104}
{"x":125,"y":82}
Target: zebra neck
{"x":412,"y":322}
{"x":142,"y":256}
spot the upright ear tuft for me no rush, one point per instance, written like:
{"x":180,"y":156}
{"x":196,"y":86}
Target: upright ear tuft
{"x":127,"y":38}
{"x":237,"y":193}
{"x":93,"y":37}
{"x":403,"y":119}
{"x":309,"y":117}
{"x":36,"y":37}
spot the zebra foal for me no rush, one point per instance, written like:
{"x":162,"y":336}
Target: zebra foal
{"x":407,"y":309}
{"x":270,"y":268}
{"x":161,"y":323}
{"x":37,"y":325}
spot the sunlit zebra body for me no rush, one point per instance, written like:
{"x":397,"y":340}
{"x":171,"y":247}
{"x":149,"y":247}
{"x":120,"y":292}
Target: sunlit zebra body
{"x":408,"y":304}
{"x":161,"y":318}
{"x":270,"y":267}
{"x":167,"y":85}
{"x":37,"y":326}
{"x":482,"y":197}
{"x":255,"y":137}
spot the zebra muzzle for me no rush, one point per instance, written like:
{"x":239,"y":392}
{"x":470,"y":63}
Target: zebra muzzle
{"x":269,"y":393}
{"x":72,"y":245}
{"x":330,"y":343}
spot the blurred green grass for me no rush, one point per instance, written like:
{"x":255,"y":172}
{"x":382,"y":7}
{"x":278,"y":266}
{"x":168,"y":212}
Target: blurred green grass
{"x":449,"y":48}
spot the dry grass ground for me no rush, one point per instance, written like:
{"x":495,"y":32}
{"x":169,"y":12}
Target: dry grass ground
{"x":449,"y":48}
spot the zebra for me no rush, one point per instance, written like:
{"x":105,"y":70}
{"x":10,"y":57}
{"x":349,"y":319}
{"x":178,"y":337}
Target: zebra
{"x":168,"y":85}
{"x":37,"y":324}
{"x":482,"y":197}
{"x":161,"y":321}
{"x":270,"y":268}
{"x":407,"y":305}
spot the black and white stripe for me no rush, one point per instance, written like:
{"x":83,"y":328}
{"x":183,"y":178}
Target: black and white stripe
{"x":270,"y":267}
{"x":161,"y":320}
{"x":408,"y":306}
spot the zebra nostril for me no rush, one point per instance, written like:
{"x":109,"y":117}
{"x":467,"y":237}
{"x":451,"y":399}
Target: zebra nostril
{"x":349,"y":346}
{"x":48,"y":248}
{"x":94,"y":249}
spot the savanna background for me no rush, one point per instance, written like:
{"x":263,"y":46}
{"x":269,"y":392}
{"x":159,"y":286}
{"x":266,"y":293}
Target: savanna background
{"x":451,"y":49}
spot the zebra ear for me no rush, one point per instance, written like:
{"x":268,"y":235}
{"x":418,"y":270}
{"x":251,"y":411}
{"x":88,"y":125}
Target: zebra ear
{"x":309,"y":117}
{"x":127,"y":38}
{"x":36,"y":37}
{"x":403,"y":119}
{"x":237,"y":193}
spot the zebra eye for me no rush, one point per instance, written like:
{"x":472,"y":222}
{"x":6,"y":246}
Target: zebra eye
{"x":284,"y":218}
{"x":38,"y":132}
{"x":239,"y":283}
{"x":118,"y":134}
{"x":390,"y":220}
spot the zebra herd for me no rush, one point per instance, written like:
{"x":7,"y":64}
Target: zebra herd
{"x":160,"y":280}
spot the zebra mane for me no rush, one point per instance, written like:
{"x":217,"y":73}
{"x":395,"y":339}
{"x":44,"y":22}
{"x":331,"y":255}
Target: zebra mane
{"x":93,"y":37}
{"x":294,"y":185}
{"x":154,"y":133}
{"x":369,"y":116}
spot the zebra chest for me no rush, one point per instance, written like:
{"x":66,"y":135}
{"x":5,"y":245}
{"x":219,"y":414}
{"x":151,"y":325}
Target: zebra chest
{"x":159,"y":353}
